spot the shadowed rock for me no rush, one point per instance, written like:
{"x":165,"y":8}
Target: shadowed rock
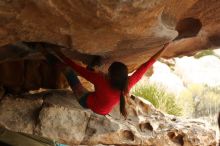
{"x":58,"y":116}
{"x":126,"y":31}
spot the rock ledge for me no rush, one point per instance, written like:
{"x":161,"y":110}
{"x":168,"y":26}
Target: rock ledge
{"x":58,"y":116}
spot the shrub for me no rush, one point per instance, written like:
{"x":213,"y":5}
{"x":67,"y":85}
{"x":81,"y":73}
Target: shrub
{"x":159,"y":98}
{"x":186,"y":102}
{"x":204,"y":53}
{"x":209,"y":103}
{"x":201,"y":101}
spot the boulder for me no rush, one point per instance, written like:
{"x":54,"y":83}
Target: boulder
{"x":121,"y":30}
{"x":58,"y":116}
{"x":124,"y":30}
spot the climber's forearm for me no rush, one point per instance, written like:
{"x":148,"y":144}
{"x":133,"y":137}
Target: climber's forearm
{"x":158,"y":54}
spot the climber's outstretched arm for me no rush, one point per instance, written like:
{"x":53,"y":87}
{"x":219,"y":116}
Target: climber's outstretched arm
{"x":87,"y":74}
{"x":159,"y":53}
{"x":137,"y":75}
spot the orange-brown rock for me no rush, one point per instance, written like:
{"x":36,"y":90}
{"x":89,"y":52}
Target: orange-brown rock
{"x":118,"y":29}
{"x":58,"y":116}
{"x":124,"y":30}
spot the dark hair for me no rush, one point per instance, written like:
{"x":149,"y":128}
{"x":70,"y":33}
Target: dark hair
{"x":118,"y":74}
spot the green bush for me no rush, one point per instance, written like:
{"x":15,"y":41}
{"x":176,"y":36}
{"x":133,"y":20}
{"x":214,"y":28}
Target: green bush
{"x":207,"y":102}
{"x":186,"y":102}
{"x":201,"y":101}
{"x":159,"y":98}
{"x":205,"y":53}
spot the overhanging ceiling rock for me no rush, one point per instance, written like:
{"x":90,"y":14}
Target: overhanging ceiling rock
{"x":125,"y":30}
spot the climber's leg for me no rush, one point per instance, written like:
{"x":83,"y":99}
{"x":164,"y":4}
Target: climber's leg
{"x":79,"y":91}
{"x":70,"y":75}
{"x":75,"y":83}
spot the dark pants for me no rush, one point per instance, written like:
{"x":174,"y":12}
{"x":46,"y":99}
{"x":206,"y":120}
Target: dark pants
{"x":80,"y":92}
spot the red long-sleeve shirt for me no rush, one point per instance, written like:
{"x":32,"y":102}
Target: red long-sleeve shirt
{"x":104,"y":98}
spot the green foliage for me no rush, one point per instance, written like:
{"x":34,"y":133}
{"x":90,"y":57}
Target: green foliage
{"x":159,"y":98}
{"x":204,"y":53}
{"x":205,"y":99}
{"x":200,"y":101}
{"x":197,"y":101}
{"x":186,"y":102}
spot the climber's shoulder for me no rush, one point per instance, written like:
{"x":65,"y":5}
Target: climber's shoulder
{"x":101,"y":76}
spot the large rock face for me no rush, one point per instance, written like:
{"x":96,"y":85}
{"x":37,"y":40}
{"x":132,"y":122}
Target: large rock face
{"x":125,"y":30}
{"x":59,"y":117}
{"x":115,"y":29}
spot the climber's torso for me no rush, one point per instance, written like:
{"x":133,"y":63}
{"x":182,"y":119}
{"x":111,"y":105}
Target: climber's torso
{"x":104,"y":98}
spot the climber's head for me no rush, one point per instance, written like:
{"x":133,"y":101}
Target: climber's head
{"x":118,"y":76}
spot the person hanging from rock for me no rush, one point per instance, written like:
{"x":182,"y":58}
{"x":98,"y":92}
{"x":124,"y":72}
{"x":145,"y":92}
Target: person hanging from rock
{"x":110,"y":88}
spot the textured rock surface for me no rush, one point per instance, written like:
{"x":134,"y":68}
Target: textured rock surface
{"x":125,"y":30}
{"x":117,"y":30}
{"x":59,"y":117}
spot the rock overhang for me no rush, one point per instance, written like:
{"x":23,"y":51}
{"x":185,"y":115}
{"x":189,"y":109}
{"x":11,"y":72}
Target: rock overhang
{"x":120,"y":30}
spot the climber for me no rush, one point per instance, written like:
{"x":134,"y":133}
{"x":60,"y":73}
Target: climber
{"x":110,"y":89}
